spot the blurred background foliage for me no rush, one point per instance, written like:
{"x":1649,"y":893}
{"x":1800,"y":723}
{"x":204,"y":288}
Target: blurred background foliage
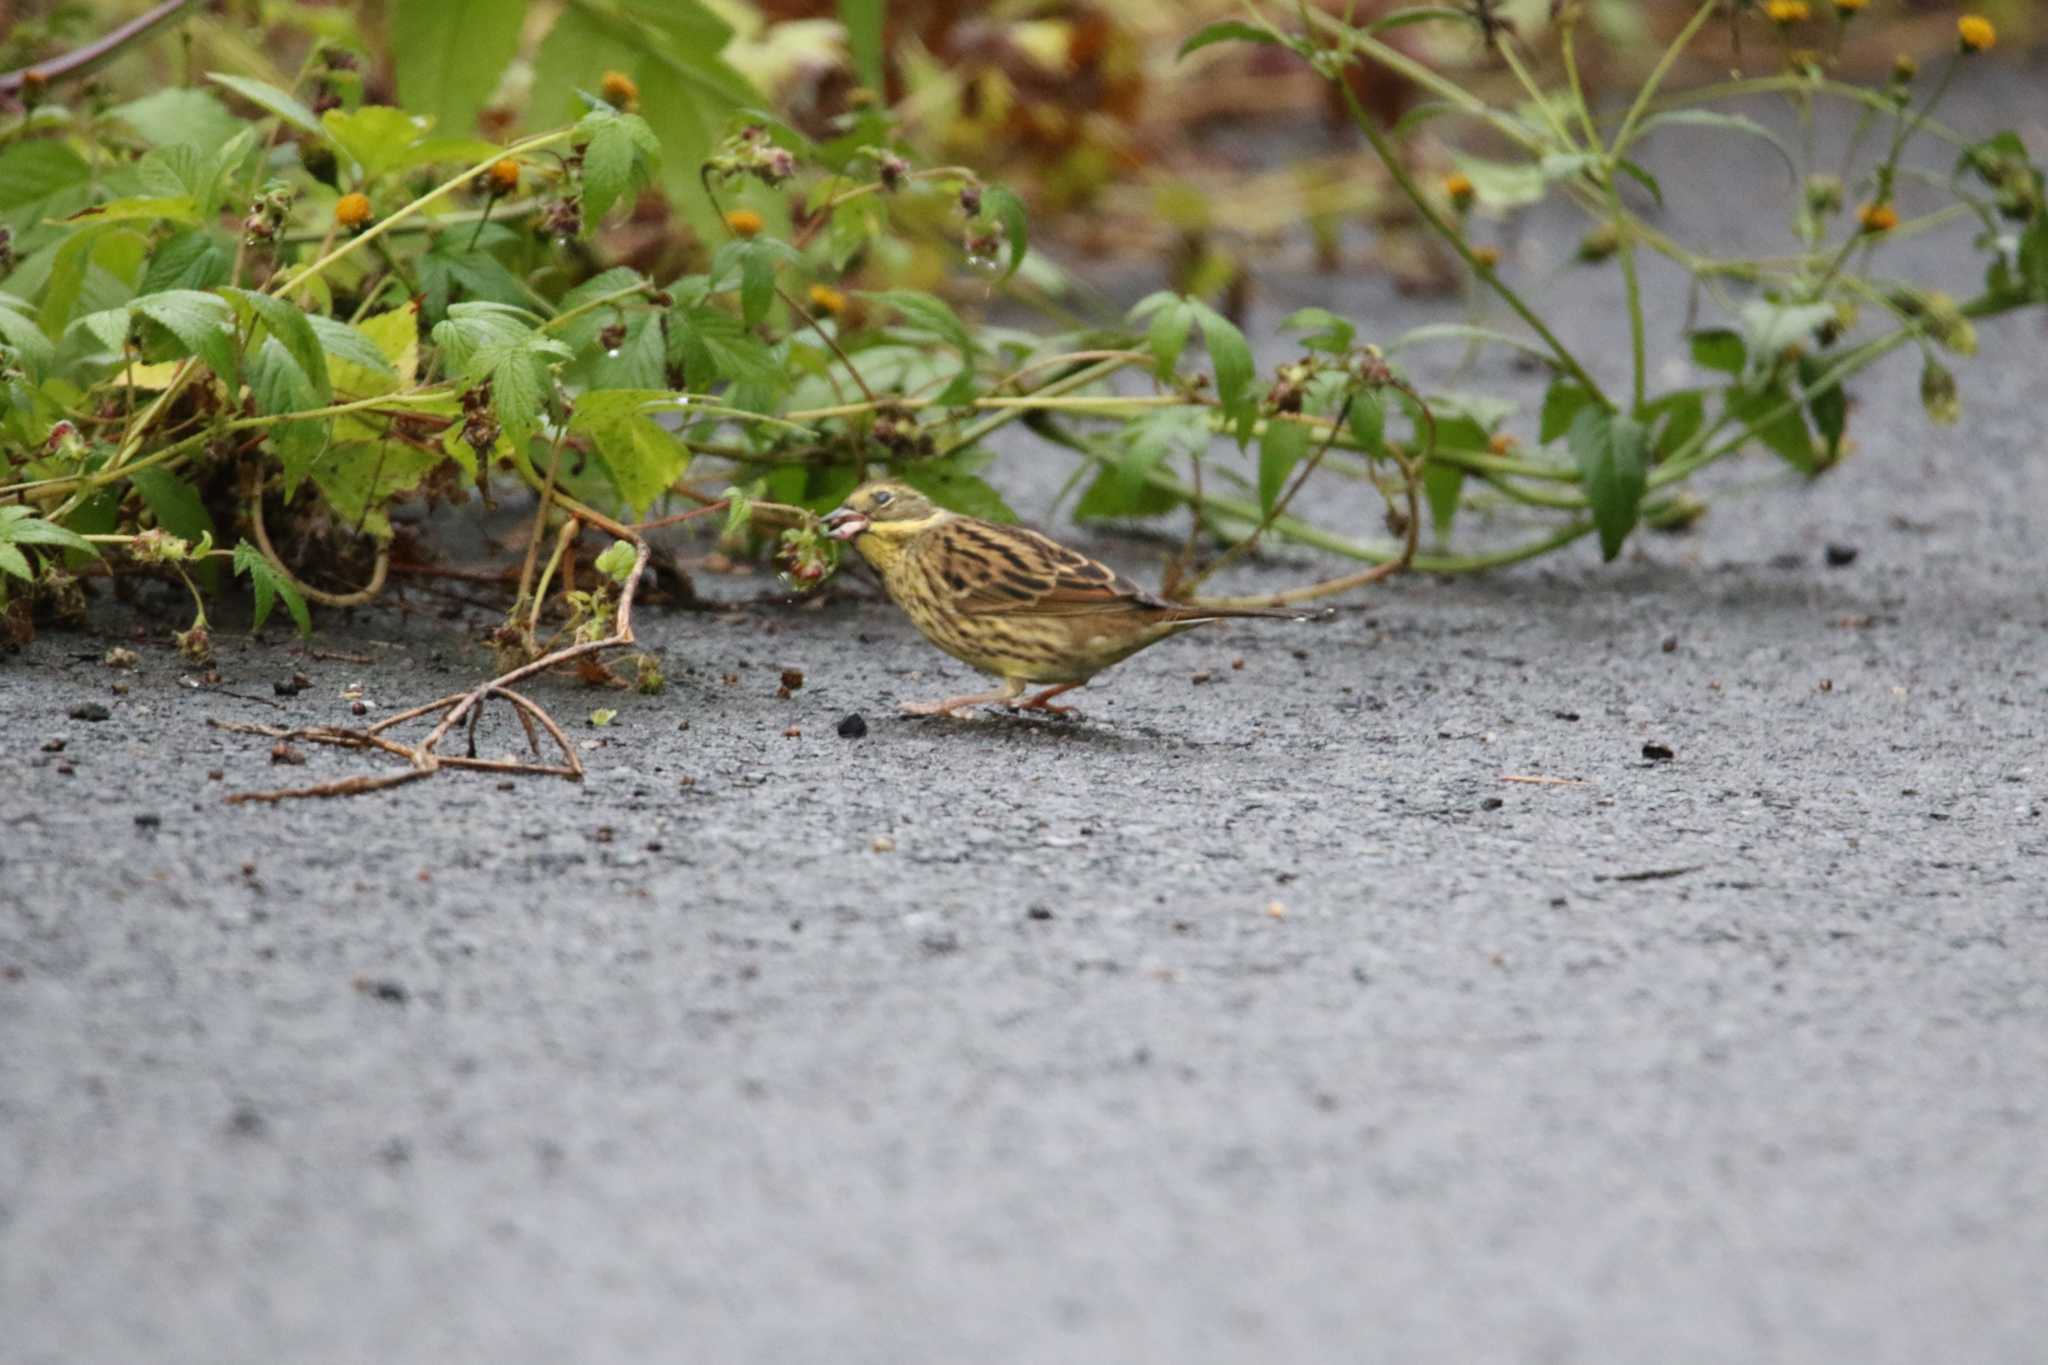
{"x":1123,"y":151}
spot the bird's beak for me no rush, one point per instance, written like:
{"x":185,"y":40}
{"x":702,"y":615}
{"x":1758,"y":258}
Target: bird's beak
{"x":845,"y":523}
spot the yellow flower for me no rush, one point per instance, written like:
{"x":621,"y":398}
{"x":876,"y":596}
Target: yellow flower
{"x":352,"y":210}
{"x":619,"y":90}
{"x":1458,"y":186}
{"x":503,"y":176}
{"x":1877,"y":218}
{"x":1846,"y":8}
{"x":827,"y":300}
{"x":1788,"y":11}
{"x":1975,"y":33}
{"x":744,"y":222}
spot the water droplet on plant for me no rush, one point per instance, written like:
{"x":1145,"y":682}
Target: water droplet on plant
{"x":613,"y":353}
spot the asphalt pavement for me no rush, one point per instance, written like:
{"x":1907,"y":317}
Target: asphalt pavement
{"x":1577,"y":963}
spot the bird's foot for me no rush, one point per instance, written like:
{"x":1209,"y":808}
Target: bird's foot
{"x":1043,"y":702}
{"x":952,"y":706}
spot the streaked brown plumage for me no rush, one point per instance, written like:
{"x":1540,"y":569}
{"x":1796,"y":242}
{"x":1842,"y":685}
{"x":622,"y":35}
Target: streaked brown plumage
{"x":1008,"y":601}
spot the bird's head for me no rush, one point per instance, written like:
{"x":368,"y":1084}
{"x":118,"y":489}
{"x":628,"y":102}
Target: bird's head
{"x":892,"y":511}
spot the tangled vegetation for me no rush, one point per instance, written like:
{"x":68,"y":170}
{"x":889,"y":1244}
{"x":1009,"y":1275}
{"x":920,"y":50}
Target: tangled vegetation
{"x":241,"y":321}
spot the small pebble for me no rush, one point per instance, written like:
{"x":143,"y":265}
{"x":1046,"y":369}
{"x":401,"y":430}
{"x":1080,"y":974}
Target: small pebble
{"x":792,"y":678}
{"x":1671,"y":644}
{"x":853,"y":726}
{"x":793,"y":732}
{"x":117,"y":657}
{"x":1492,"y":803}
{"x":90,"y":710}
{"x":1275,"y":910}
{"x":883,"y":844}
{"x":54,"y":745}
{"x":1839,"y":556}
{"x":1659,"y":753}
{"x":148,"y":820}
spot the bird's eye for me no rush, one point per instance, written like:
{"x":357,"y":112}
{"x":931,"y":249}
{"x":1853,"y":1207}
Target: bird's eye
{"x":881,"y":499}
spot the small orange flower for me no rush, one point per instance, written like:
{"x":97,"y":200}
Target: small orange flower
{"x":1846,"y":8}
{"x":352,"y":210}
{"x":1487,"y":256}
{"x":619,"y":90}
{"x":827,"y":300}
{"x":1975,"y":33}
{"x":1788,"y":11}
{"x":1877,"y":218}
{"x":1458,"y":186}
{"x":744,"y":222}
{"x":503,"y":176}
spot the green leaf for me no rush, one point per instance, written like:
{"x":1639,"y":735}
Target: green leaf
{"x":1612,"y":452}
{"x":19,"y":331}
{"x":1281,"y":447}
{"x":1719,"y":349}
{"x":1726,"y":123}
{"x":1830,"y":409}
{"x":643,"y":459}
{"x":863,"y":20}
{"x":452,"y":52}
{"x":193,"y":259}
{"x":1231,"y":357}
{"x":267,"y":584}
{"x":1561,"y":404}
{"x":1443,"y":487}
{"x":1230,"y":31}
{"x":1007,"y":209}
{"x":178,"y":114}
{"x":199,"y":322}
{"x":279,"y":385}
{"x":1786,"y":434}
{"x":608,"y":161}
{"x":40,"y":179}
{"x":19,"y":527}
{"x":1328,"y":332}
{"x":955,"y":489}
{"x":349,"y":344}
{"x":359,"y":477}
{"x":1772,"y":326}
{"x":1110,"y":495}
{"x":1368,"y":421}
{"x":712,"y":345}
{"x":1682,"y":414}
{"x":269,"y":97}
{"x":1167,"y":337}
{"x":178,"y":510}
{"x":1499,"y":185}
{"x":2033,"y":260}
{"x":295,"y":333}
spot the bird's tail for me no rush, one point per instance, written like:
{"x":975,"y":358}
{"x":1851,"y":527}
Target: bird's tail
{"x":1191,"y":612}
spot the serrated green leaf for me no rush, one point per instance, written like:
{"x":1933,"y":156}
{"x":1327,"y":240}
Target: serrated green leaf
{"x":450,"y":54}
{"x":643,"y":459}
{"x":1327,"y":331}
{"x":193,"y":259}
{"x":296,"y":334}
{"x":608,"y":160}
{"x":267,"y":585}
{"x":359,"y":477}
{"x":199,"y":321}
{"x":19,"y":331}
{"x":354,"y":348}
{"x":1368,"y":421}
{"x":1681,"y":415}
{"x":863,"y":23}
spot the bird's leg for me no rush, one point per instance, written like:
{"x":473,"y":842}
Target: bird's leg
{"x":947,"y":706}
{"x":1043,"y":701}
